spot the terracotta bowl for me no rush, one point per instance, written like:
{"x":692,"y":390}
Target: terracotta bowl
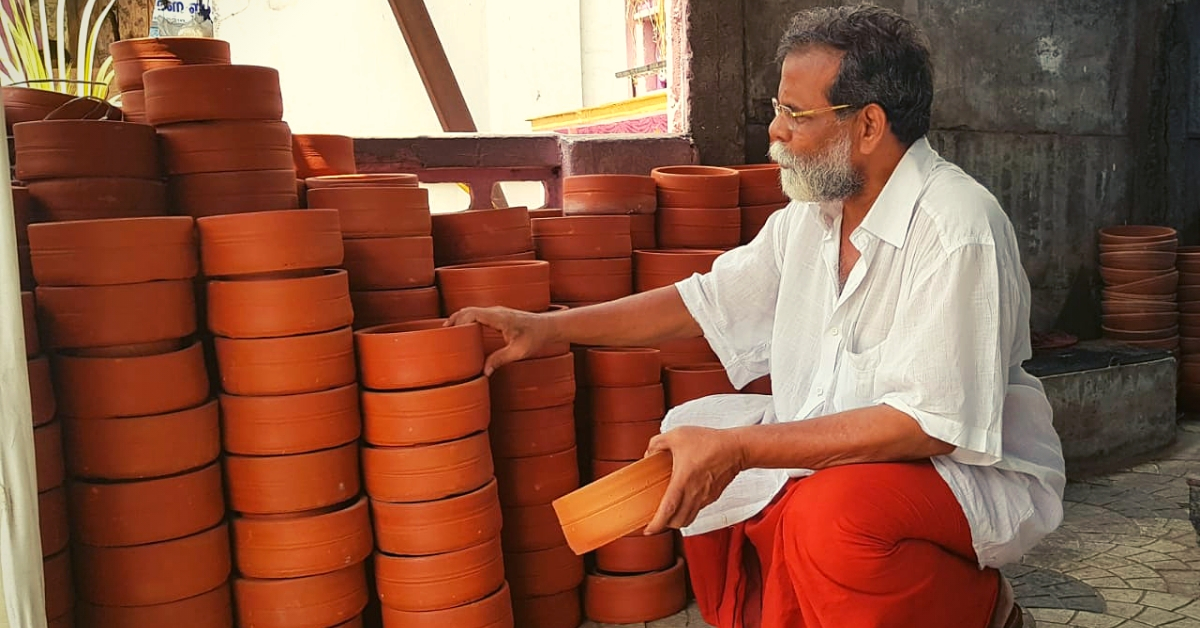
{"x":628,"y":404}
{"x":272,"y":308}
{"x":1119,"y":294}
{"x":127,"y":314}
{"x":582,"y":237}
{"x":524,"y":433}
{"x":655,"y":269}
{"x":1139,"y":307}
{"x":1140,"y":322}
{"x":531,"y":528}
{"x":1188,"y":265}
{"x":440,"y":581}
{"x":92,"y":198}
{"x":1170,"y":343}
{"x":533,"y":384}
{"x":543,"y":572}
{"x":699,"y":228}
{"x":687,"y":382}
{"x":754,"y":218}
{"x":418,"y":354}
{"x":213,"y":608}
{"x":118,"y":514}
{"x":623,"y":366}
{"x":195,"y":93}
{"x":1189,"y":372}
{"x":380,"y":307}
{"x":25,"y":212}
{"x":616,"y":505}
{"x":225,"y":146}
{"x":133,"y":57}
{"x":56,"y":149}
{"x":1185,"y":294}
{"x":438,"y":526}
{"x":33,"y":344}
{"x":24,"y":269}
{"x":60,"y":593}
{"x":1190,"y":320}
{"x":627,"y":440}
{"x":97,"y":387}
{"x":493,"y":611}
{"x":760,"y":386}
{"x":574,"y":280}
{"x":426,"y":415}
{"x":1161,"y":285}
{"x":545,"y":212}
{"x":377,"y":212}
{"x":290,"y":424}
{"x":389,"y":263}
{"x":1148,"y":335}
{"x":314,"y":362}
{"x":295,"y":546}
{"x":1140,"y":245}
{"x":329,"y":599}
{"x":323,"y":155}
{"x":271,"y":485}
{"x":560,"y":610}
{"x":637,"y":553}
{"x":133,"y":106}
{"x":1189,"y":279}
{"x":643,"y":232}
{"x":53,"y":526}
{"x":609,"y":194}
{"x":522,"y":285}
{"x":1133,"y":234}
{"x":237,"y":192}
{"x":370,"y":179}
{"x":27,"y":104}
{"x":1138,"y":260}
{"x":269,"y":242}
{"x":427,"y":472}
{"x":759,"y":184}
{"x":41,"y":390}
{"x":537,"y":479}
{"x":166,"y":444}
{"x":113,"y":251}
{"x":478,"y":234}
{"x":635,"y":599}
{"x":696,"y":186}
{"x":1115,"y":277}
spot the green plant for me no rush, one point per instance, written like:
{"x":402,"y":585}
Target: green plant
{"x":25,"y":57}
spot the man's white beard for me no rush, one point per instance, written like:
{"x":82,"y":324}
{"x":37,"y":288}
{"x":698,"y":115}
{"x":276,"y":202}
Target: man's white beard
{"x":827,"y":176}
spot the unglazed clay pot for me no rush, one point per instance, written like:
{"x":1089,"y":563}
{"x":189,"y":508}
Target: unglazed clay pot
{"x":582,"y":237}
{"x":329,"y":599}
{"x":48,"y":455}
{"x":1135,"y":234}
{"x":754,"y":218}
{"x":33,"y":344}
{"x":655,"y":269}
{"x":226,"y":146}
{"x":418,"y":354}
{"x":427,"y":472}
{"x":389,"y":263}
{"x":560,"y":610}
{"x":440,"y":581}
{"x":55,"y":149}
{"x":609,"y":194}
{"x":24,"y":268}
{"x":127,"y":314}
{"x":524,"y":433}
{"x":269,"y":242}
{"x":165,"y":444}
{"x":144,"y":575}
{"x":53,"y":527}
{"x":290,"y":424}
{"x":377,"y":212}
{"x":134,"y":57}
{"x":476,"y":234}
{"x":91,"y":198}
{"x":533,"y":384}
{"x":545,"y":212}
{"x":213,"y":609}
{"x":41,"y":390}
{"x":643,"y":232}
{"x":623,"y":441}
{"x":133,"y":106}
{"x":537,"y":479}
{"x":522,"y":285}
{"x":635,"y":599}
{"x":426,"y":415}
{"x":623,"y":366}
{"x":369,"y":179}
{"x":270,"y":485}
{"x":637,"y":553}
{"x":687,"y":382}
{"x":1141,"y":260}
{"x":590,"y":280}
{"x":25,"y":212}
{"x":323,"y":155}
{"x":379,"y":307}
{"x":294,"y":546}
{"x":696,"y":186}
{"x":699,"y":228}
{"x":196,"y":93}
{"x":544,"y":572}
{"x":531,"y":528}
{"x":760,"y":386}
{"x":113,"y":251}
{"x":27,"y":104}
{"x":759,"y":184}
{"x":272,"y":308}
{"x":240,"y":192}
{"x":685,"y":352}
{"x":438,"y":526}
{"x":313,"y":362}
{"x":616,"y":505}
{"x":628,"y":404}
{"x":60,"y":594}
{"x":493,"y":611}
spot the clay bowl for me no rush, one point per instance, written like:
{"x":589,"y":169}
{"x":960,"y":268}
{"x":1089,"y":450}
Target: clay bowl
{"x":27,"y":104}
{"x":699,"y":228}
{"x":370,"y":179}
{"x":24,"y":269}
{"x":627,"y":440}
{"x":759,"y":184}
{"x":53,"y":527}
{"x":41,"y":390}
{"x":60,"y":594}
{"x":1190,"y":253}
{"x":427,"y":472}
{"x":643,"y":232}
{"x":686,"y":351}
{"x":225,"y":146}
{"x":1147,"y":335}
{"x":272,"y":308}
{"x":237,"y":192}
{"x":760,"y":386}
{"x":1185,"y":294}
{"x":609,"y":194}
{"x":575,"y":280}
{"x":133,"y":106}
{"x":1120,"y":295}
{"x":213,"y":608}
{"x":269,"y":242}
{"x":166,"y":444}
{"x":522,"y":285}
{"x":537,"y":479}
{"x":545,"y":212}
{"x":118,"y":514}
{"x":582,"y":237}
{"x":1188,"y":264}
{"x":1138,"y":307}
{"x":106,"y":316}
{"x":635,"y":599}
{"x":290,"y":424}
{"x":314,"y":362}
{"x":1187,"y":307}
{"x":1164,"y":344}
{"x":1190,"y":321}
{"x":533,"y":384}
{"x":696,"y":186}
{"x":628,"y":404}
{"x":144,"y":575}
{"x":33,"y":345}
{"x":524,"y":433}
{"x":623,"y":366}
{"x":531,"y":528}
{"x":1164,"y":284}
{"x":269,"y":485}
{"x":616,"y":505}
{"x":379,"y":307}
{"x":543,"y":572}
{"x":438,"y":526}
{"x":1188,"y":279}
{"x":687,"y":382}
{"x":133,"y":57}
{"x":493,"y":611}
{"x":56,"y":149}
{"x":418,"y":354}
{"x":440,"y":581}
{"x":323,"y":155}
{"x":1136,"y":234}
{"x":377,"y":212}
{"x":1140,"y":322}
{"x":560,"y":610}
{"x":389,"y":263}
{"x":1189,"y":372}
{"x":478,"y":234}
{"x":99,"y":197}
{"x":113,"y":251}
{"x":426,"y":415}
{"x":25,"y":212}
{"x":329,"y":599}
{"x":655,"y":269}
{"x":1115,"y":277}
{"x":1138,"y":260}
{"x":330,"y":539}
{"x":1140,"y":245}
{"x":637,"y":553}
{"x":98,"y":387}
{"x":754,"y":218}
{"x":196,"y":93}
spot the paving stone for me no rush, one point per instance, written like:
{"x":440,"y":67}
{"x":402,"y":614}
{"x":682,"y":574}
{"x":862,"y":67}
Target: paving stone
{"x":1052,"y":615}
{"x":1096,"y":620}
{"x":1148,"y":584}
{"x":1186,"y":622}
{"x":1112,"y":581}
{"x":678,"y":620}
{"x":1133,"y":571}
{"x":1123,"y":609}
{"x":1121,"y":595}
{"x":1191,"y":610}
{"x":1165,"y":601}
{"x":1157,"y":617}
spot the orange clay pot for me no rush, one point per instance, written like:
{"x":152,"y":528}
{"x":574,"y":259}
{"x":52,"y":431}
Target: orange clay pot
{"x":226,"y":146}
{"x":329,"y":599}
{"x":196,"y":93}
{"x":427,"y":472}
{"x":493,"y":611}
{"x":268,"y":485}
{"x":389,"y":263}
{"x":166,"y":444}
{"x":544,"y":572}
{"x":427,"y":415}
{"x":295,"y":546}
{"x":635,"y":599}
{"x":272,"y":308}
{"x":269,"y":242}
{"x":113,"y":251}
{"x":537,"y":479}
{"x":314,"y":362}
{"x":323,"y":155}
{"x":107,"y":316}
{"x":290,"y":424}
{"x":418,"y":354}
{"x":438,"y":526}
{"x":380,"y":307}
{"x":440,"y":581}
{"x":213,"y":609}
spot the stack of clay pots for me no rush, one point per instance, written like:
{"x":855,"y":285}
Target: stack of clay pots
{"x":285,"y":351}
{"x":698,"y":207}
{"x":1137,"y":264}
{"x":760,"y":194}
{"x":590,"y":257}
{"x":429,"y":472}
{"x":619,"y":194}
{"x":134,"y":57}
{"x":321,"y":156}
{"x":1187,"y":261}
{"x":482,"y":235}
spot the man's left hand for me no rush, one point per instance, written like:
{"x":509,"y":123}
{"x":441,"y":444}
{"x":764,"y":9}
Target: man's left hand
{"x":705,"y":461}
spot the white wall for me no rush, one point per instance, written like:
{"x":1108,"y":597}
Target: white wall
{"x":603,"y":41}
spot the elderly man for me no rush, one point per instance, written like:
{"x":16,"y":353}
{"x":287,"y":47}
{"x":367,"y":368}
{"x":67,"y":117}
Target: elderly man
{"x":905,"y":454}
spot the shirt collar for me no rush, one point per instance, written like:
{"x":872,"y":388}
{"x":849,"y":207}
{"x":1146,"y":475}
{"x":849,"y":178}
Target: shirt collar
{"x":891,"y":214}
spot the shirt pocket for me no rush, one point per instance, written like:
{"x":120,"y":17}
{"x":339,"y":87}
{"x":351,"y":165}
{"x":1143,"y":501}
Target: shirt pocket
{"x":856,"y":378}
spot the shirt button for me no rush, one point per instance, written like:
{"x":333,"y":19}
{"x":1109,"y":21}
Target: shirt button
{"x":820,"y":392}
{"x":834,"y":332}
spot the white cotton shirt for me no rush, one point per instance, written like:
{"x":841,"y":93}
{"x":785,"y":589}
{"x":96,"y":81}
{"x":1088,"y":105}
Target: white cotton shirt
{"x":933,"y":321}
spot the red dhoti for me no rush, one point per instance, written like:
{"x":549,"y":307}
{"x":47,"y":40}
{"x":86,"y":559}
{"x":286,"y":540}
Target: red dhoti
{"x":857,"y":546}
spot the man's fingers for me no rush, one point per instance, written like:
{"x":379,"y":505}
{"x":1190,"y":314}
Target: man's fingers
{"x":684,"y":513}
{"x":507,"y":354}
{"x":666,"y":508}
{"x":657,"y":444}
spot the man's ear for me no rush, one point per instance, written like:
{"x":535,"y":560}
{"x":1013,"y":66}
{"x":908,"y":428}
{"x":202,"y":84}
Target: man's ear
{"x":872,"y":128}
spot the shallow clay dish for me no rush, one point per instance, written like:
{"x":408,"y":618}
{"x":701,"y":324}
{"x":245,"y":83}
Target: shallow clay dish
{"x":213,"y":609}
{"x":696,"y":186}
{"x":754,"y":218}
{"x":270,"y":242}
{"x":621,"y":366}
{"x":522,"y":285}
{"x":560,"y":610}
{"x":98,"y":387}
{"x":60,"y":149}
{"x":440,"y":581}
{"x":543,"y":572}
{"x":107,"y":316}
{"x":418,"y":354}
{"x":369,"y":179}
{"x":537,"y":479}
{"x":609,"y":194}
{"x":113,"y":251}
{"x":614,"y":506}
{"x":115,"y":514}
{"x":377,"y":212}
{"x":268,"y":485}
{"x":427,"y":472}
{"x":635,"y":599}
{"x":524,"y":433}
{"x":329,"y":599}
{"x":194,"y":93}
{"x":623,"y":441}
{"x":438,"y":526}
{"x":699,"y":228}
{"x":380,"y":307}
{"x":427,"y":415}
{"x":533,"y":384}
{"x":305,"y":544}
{"x":33,"y":345}
{"x":290,"y":424}
{"x":582,"y":237}
{"x":478,"y":234}
{"x":389,"y":263}
{"x":590,"y":280}
{"x":165,"y":444}
{"x":236,"y":192}
{"x":317,"y":155}
{"x":687,"y":382}
{"x":637,"y":553}
{"x":493,"y":611}
{"x":53,"y":526}
{"x":88,"y":198}
{"x":628,"y":404}
{"x":225,"y":146}
{"x":313,"y":362}
{"x":270,"y":308}
{"x":41,"y":390}
{"x":531,"y":528}
{"x":655,"y":269}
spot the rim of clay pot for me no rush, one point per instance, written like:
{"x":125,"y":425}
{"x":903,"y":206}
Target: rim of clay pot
{"x":523,"y":285}
{"x":323,"y":154}
{"x":365,"y":179}
{"x":640,"y":598}
{"x":166,"y":444}
{"x":290,"y":424}
{"x":53,"y":526}
{"x":543,"y":572}
{"x":303,"y":544}
{"x":440,"y":525}
{"x":53,"y":149}
{"x":560,"y":610}
{"x":537,"y":479}
{"x":628,"y":404}
{"x":95,"y":198}
{"x":269,"y":241}
{"x":440,"y":581}
{"x":251,"y":366}
{"x":98,"y":387}
{"x":534,"y":383}
{"x":427,"y":472}
{"x":546,"y":212}
{"x":113,"y":251}
{"x":113,"y":315}
{"x":636,"y":553}
{"x":234,"y":92}
{"x":427,"y":415}
{"x":60,"y":594}
{"x":493,"y":611}
{"x":1133,"y":234}
{"x":381,"y":307}
{"x":26,"y":104}
{"x":271,"y":308}
{"x":623,"y":366}
{"x":697,"y":186}
{"x":389,"y":263}
{"x":531,"y":528}
{"x":269,"y":485}
{"x":212,"y":608}
{"x":181,"y":48}
{"x":615,"y":505}
{"x":324,"y":600}
{"x":418,"y":354}
{"x":524,"y":433}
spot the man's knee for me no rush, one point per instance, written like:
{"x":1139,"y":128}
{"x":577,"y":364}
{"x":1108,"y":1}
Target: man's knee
{"x":830,"y":515}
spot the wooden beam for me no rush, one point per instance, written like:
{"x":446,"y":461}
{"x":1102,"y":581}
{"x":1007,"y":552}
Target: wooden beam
{"x":433,"y":66}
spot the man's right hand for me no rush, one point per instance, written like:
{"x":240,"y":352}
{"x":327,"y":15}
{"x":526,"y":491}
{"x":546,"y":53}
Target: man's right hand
{"x":524,"y":333}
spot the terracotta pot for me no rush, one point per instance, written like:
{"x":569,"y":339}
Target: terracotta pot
{"x":1188,"y":265}
{"x":290,"y":424}
{"x":1138,"y":260}
{"x":1185,"y":293}
{"x":526,"y":256}
{"x":323,"y":155}
{"x":25,"y":212}
{"x":119,"y":514}
{"x":575,"y":280}
{"x":269,"y":242}
{"x":380,"y":307}
{"x":377,"y":212}
{"x":439,"y":526}
{"x":537,"y":479}
{"x":616,"y":505}
{"x":635,"y":599}
{"x":1135,"y":234}
{"x":623,"y":366}
{"x":545,"y":212}
{"x":370,"y":179}
{"x":628,"y":404}
{"x":56,"y":149}
{"x":560,"y":610}
{"x":582,"y":237}
{"x":241,"y":192}
{"x":1141,"y":336}
{"x":389,"y":263}
{"x":134,"y":57}
{"x":687,"y":382}
{"x":33,"y":344}
{"x":760,"y":386}
{"x":41,"y":390}
{"x":533,"y":384}
{"x":428,"y":415}
{"x":105,"y":316}
{"x":627,"y":440}
{"x":314,"y":362}
{"x":272,"y":308}
{"x":531,"y":528}
{"x":196,"y":93}
{"x":427,"y":472}
{"x":99,"y":197}
{"x":1163,"y":285}
{"x":48,"y":456}
{"x":609,"y":194}
{"x":213,"y":609}
{"x":418,"y":354}
{"x":759,"y":184}
{"x":144,"y":575}
{"x":655,"y":269}
{"x":60,"y":593}
{"x":643,"y":231}
{"x":166,"y":444}
{"x":113,"y":251}
{"x":754,"y":218}
{"x":699,"y":228}
{"x":27,"y":104}
{"x":295,"y":546}
{"x":1117,"y":278}
{"x":226,"y":146}
{"x":1141,"y":307}
{"x":493,"y":611}
{"x":524,"y":433}
{"x":25,"y":269}
{"x":520,"y":285}
{"x":321,"y":601}
{"x":133,"y":106}
{"x":1140,"y":322}
{"x":468,"y":236}
{"x":696,"y":186}
{"x":440,"y":581}
{"x":637,"y":553}
{"x":269,"y":485}
{"x":685,"y":352}
{"x":53,"y":528}
{"x":544,"y":572}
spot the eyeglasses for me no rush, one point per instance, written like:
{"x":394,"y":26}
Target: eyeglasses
{"x":793,"y":116}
